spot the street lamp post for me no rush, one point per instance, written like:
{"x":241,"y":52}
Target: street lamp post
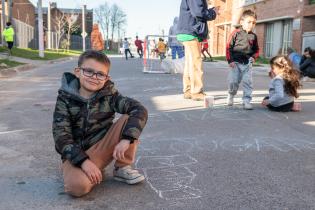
{"x":49,"y":26}
{"x":83,"y":26}
{"x":9,"y":3}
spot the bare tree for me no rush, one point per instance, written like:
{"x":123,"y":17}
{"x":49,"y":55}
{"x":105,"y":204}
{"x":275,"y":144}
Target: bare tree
{"x":121,"y":21}
{"x":59,"y":23}
{"x":114,"y":10}
{"x":102,"y":15}
{"x":71,"y":26}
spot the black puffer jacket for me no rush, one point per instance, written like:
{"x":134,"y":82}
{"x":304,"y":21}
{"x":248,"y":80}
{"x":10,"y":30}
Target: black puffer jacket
{"x":307,"y":67}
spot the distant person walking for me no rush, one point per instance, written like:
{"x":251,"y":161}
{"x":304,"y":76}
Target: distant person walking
{"x":205,"y":48}
{"x":97,"y":41}
{"x":126,"y":46}
{"x":176,"y":47}
{"x":192,"y":28}
{"x":139,"y":46}
{"x":8,"y":35}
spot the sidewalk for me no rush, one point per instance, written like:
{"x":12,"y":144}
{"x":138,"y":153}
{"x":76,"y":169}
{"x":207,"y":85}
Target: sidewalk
{"x":28,"y":64}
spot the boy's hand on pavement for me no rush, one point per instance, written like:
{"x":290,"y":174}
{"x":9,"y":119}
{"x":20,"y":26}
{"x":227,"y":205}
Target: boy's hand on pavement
{"x":92,"y":171}
{"x":120,"y":149}
{"x":233,"y":65}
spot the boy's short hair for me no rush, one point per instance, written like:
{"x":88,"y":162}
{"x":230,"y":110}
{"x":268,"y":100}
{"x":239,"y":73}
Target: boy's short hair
{"x":308,"y":49}
{"x":9,"y":24}
{"x":93,"y":54}
{"x":248,"y":13}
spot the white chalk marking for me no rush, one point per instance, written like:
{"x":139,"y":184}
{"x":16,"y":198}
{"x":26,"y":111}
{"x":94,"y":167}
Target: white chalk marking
{"x":14,"y":131}
{"x":257,"y":145}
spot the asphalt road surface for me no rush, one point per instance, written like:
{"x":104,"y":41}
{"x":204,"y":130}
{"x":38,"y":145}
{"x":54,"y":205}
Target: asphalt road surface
{"x":192,"y":157}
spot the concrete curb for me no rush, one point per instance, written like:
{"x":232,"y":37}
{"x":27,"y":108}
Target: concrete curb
{"x":61,"y":59}
{"x":10,"y":72}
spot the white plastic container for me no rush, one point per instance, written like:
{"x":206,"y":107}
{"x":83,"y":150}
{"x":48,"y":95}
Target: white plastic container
{"x":209,"y":101}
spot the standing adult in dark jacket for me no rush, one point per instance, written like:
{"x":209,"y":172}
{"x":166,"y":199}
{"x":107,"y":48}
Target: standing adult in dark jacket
{"x":192,"y":28}
{"x":307,"y":65}
{"x":177,"y":47}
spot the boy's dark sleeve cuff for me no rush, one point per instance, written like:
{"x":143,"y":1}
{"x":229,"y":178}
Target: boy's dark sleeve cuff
{"x":131,"y":139}
{"x":78,"y":160}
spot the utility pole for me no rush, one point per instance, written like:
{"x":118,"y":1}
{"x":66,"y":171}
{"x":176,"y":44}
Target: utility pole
{"x":9,"y":9}
{"x":3,"y":20}
{"x":49,"y":26}
{"x":40,"y":29}
{"x":83,"y":26}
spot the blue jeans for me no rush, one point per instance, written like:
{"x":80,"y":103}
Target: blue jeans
{"x":241,"y":73}
{"x":177,"y":50}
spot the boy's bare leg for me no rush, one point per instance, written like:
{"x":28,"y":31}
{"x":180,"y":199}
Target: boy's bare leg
{"x":204,"y":56}
{"x":76,"y":182}
{"x":207,"y":51}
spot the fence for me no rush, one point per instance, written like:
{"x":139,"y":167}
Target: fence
{"x":24,"y":34}
{"x":77,"y":42}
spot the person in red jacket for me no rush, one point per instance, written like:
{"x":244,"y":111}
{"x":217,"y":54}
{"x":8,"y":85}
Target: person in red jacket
{"x":205,"y":48}
{"x":97,"y":42}
{"x":139,"y":46}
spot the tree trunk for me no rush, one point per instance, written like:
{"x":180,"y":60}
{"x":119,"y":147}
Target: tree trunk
{"x":69,"y":36}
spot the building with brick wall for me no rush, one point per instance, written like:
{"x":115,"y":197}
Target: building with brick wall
{"x":22,"y":10}
{"x":280,"y":24}
{"x":23,"y":20}
{"x":57,"y":12}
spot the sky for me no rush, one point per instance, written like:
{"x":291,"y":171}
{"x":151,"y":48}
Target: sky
{"x":144,"y":16}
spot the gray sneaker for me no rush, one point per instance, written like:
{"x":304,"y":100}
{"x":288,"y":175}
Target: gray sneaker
{"x":230,"y":100}
{"x":128,"y":175}
{"x":248,"y":106}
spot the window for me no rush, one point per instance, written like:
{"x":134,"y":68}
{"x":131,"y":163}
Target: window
{"x":287,"y":36}
{"x":269,"y":40}
{"x":248,"y":2}
{"x":278,"y":37}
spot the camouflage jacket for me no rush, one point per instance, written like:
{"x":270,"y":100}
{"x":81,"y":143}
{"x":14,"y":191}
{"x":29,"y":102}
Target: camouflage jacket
{"x":79,"y":123}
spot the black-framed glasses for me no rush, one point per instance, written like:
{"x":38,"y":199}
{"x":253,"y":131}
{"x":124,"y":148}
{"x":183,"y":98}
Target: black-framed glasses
{"x":88,"y":72}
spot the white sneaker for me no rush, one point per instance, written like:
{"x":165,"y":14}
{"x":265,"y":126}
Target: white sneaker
{"x":230,"y":100}
{"x":128,"y":175}
{"x":248,"y":106}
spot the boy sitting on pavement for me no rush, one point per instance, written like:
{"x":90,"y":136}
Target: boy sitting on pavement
{"x":242,"y":50}
{"x":83,"y":129}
